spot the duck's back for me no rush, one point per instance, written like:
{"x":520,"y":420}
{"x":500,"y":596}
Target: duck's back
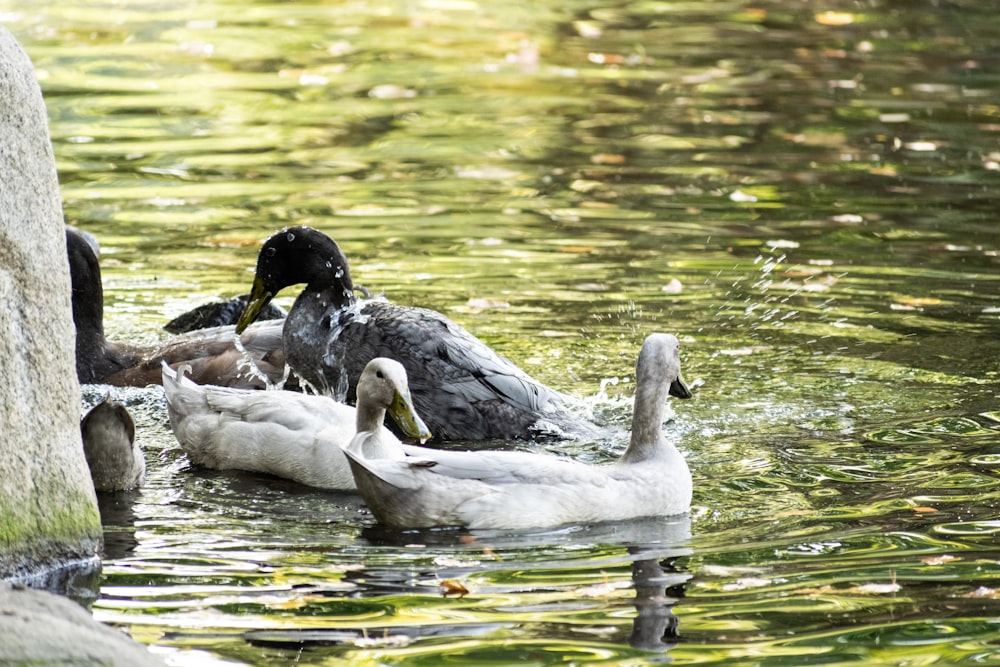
{"x":461,"y":388}
{"x":516,"y":490}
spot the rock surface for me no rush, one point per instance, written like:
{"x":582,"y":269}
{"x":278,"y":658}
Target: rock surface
{"x":48,"y":509}
{"x":38,"y":628}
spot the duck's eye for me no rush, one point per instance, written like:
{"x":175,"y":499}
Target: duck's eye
{"x":271,"y":251}
{"x":380,"y":375}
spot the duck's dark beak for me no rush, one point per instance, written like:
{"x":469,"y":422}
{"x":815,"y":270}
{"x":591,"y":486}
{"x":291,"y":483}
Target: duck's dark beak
{"x":404,"y":414}
{"x":679,"y":388}
{"x":259,"y":297}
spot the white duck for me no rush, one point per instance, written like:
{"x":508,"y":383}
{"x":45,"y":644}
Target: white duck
{"x":283,"y":433}
{"x":115,"y":459}
{"x":519,"y":490}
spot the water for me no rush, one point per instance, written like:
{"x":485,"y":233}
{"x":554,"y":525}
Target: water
{"x":805,"y":193}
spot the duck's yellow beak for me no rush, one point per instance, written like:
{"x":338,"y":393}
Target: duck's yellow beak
{"x":259,"y":297}
{"x":404,"y":414}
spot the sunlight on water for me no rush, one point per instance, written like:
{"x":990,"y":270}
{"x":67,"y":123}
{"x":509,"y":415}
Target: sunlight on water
{"x":804,"y":195}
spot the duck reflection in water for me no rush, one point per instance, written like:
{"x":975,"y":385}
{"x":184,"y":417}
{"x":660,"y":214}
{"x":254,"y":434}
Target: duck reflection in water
{"x":655,"y":547}
{"x":658,"y":586}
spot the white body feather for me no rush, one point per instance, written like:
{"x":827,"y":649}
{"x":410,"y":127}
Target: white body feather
{"x":519,"y":490}
{"x":283,"y":433}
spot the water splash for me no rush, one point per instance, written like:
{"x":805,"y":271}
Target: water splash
{"x":249,"y":365}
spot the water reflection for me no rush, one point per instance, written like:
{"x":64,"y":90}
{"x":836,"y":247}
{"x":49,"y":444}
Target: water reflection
{"x":118,"y":521}
{"x":805,"y":194}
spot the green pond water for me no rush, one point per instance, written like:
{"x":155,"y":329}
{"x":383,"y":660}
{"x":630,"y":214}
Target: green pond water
{"x":804,"y":192}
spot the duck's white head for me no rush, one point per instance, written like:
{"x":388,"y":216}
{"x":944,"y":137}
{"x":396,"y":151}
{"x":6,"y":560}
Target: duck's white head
{"x":660,"y":363}
{"x":383,"y":387}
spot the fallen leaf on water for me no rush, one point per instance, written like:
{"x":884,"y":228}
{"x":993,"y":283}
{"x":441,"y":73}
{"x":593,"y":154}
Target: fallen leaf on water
{"x":918,"y":301}
{"x":607,"y":158}
{"x":834,"y":18}
{"x":939,"y":560}
{"x":291,"y":603}
{"x":453,"y":587}
{"x":486,"y":303}
{"x":924,"y":510}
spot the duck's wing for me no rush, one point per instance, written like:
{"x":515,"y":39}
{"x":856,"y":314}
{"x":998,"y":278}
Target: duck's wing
{"x":498,"y":469}
{"x":214,"y":358}
{"x":483,"y":489}
{"x":290,"y":410}
{"x":449,"y":354}
{"x":282,"y":433}
{"x":461,"y":388}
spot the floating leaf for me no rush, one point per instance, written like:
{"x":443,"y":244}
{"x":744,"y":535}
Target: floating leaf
{"x":918,"y":301}
{"x":486,"y":303}
{"x":834,"y":18}
{"x":454,"y":587}
{"x":938,"y":560}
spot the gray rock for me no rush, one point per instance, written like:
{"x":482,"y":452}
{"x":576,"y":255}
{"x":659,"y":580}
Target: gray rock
{"x":39,"y":628}
{"x":48,"y":509}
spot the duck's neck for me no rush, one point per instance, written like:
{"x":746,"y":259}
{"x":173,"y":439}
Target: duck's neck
{"x":96,"y":356}
{"x":369,"y":418}
{"x":648,"y":412}
{"x":88,"y":315}
{"x":320,"y":300}
{"x":372,"y":439}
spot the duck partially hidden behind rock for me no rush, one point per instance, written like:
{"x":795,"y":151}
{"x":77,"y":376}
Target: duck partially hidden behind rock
{"x":520,"y":490}
{"x":212,"y":353}
{"x":462,"y":388}
{"x":115,"y":459}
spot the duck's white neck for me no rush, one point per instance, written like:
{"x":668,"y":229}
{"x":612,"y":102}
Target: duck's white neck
{"x":369,"y":418}
{"x":373,"y":441}
{"x":647,"y":419}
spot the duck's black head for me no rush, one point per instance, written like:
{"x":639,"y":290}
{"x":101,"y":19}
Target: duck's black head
{"x":85,"y":276}
{"x":298,"y":255}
